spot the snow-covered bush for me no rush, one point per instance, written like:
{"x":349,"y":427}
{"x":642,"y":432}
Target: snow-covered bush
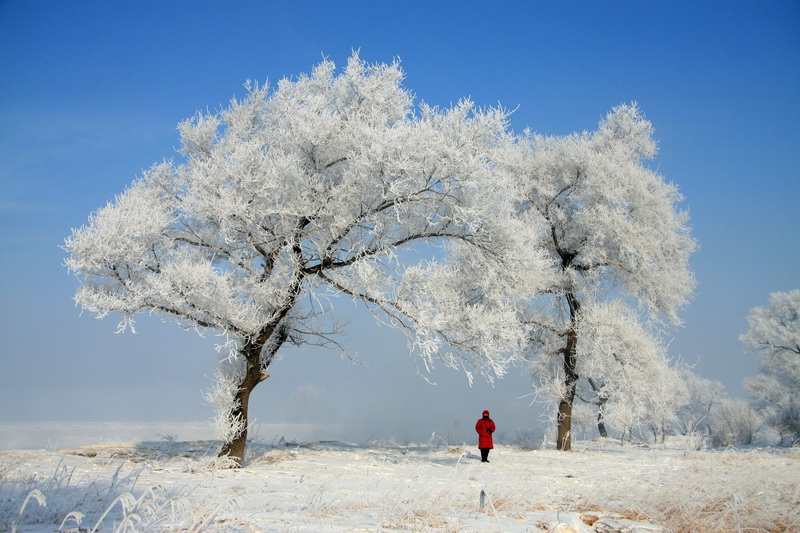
{"x":736,"y":422}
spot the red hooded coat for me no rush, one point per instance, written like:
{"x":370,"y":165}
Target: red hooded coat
{"x":485,"y":428}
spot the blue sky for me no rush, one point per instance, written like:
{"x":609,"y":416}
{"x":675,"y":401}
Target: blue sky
{"x":91,"y":94}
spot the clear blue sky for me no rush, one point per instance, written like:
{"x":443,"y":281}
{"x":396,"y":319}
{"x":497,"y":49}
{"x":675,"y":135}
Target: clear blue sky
{"x":91,"y":94}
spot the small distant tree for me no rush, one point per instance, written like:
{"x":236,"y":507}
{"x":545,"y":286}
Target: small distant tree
{"x":774,"y":334}
{"x":618,"y":250}
{"x":735,"y":422}
{"x":286,"y":199}
{"x":697,"y":402}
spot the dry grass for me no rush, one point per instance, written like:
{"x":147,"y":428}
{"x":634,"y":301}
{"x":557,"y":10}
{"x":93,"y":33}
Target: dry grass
{"x":730,"y":491}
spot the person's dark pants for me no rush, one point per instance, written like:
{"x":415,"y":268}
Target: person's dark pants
{"x":485,"y":455}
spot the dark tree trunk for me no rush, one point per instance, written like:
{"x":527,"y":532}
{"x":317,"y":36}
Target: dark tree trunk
{"x":235,"y":448}
{"x":257,"y":363}
{"x":601,"y":405}
{"x":564,"y":419}
{"x":601,"y":427}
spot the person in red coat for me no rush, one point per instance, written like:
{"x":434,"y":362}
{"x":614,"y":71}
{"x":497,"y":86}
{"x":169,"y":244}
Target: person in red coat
{"x":485,"y":427}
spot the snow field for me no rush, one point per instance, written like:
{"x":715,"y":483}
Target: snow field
{"x":337,"y":487}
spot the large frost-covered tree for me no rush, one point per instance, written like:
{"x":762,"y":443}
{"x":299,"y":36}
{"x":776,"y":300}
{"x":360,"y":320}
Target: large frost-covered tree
{"x":290,"y":196}
{"x":618,"y":247}
{"x":774,"y":333}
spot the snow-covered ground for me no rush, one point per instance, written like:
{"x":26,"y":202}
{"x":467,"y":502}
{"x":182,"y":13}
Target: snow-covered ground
{"x":288,"y":486}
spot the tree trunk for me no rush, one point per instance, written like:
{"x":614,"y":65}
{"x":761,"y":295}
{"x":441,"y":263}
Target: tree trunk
{"x":235,"y":448}
{"x":564,"y":419}
{"x":601,"y":406}
{"x":273,"y":338}
{"x":601,"y":427}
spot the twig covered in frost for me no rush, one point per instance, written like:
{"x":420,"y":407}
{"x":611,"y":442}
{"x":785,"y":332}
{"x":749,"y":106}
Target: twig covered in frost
{"x":485,"y":497}
{"x":126,"y":501}
{"x":35,"y":494}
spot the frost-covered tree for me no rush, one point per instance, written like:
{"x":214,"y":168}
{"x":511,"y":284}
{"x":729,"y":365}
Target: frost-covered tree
{"x":697,"y":400}
{"x":774,"y":334}
{"x":291,"y":196}
{"x":616,"y":239}
{"x":734,"y":421}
